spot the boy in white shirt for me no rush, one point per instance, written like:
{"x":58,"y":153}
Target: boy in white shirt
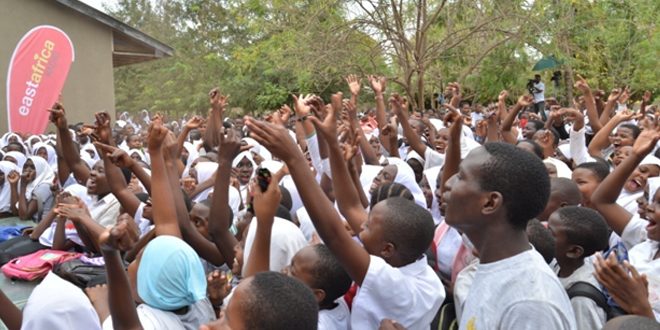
{"x":497,"y":189}
{"x":579,"y":233}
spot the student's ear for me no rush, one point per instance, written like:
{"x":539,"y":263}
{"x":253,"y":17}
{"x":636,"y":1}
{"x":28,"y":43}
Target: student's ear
{"x":319,"y":294}
{"x":575,"y":252}
{"x":387,"y":251}
{"x":493,"y":203}
{"x":563,"y":204}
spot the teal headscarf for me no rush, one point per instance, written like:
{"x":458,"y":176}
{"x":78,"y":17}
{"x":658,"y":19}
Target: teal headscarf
{"x":170,"y":275}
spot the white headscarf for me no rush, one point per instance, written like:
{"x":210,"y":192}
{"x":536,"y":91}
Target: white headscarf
{"x":120,"y":123}
{"x":192,"y":154}
{"x":432,"y":176}
{"x":654,"y":184}
{"x":56,"y":304}
{"x":84,"y":155}
{"x":52,"y":155}
{"x":258,"y":148}
{"x":562,"y":169}
{"x":406,"y":176}
{"x":34,"y":139}
{"x":5,"y":140}
{"x":286,"y":240}
{"x":143,"y":157}
{"x":414,"y":155}
{"x":20,"y":158}
{"x":91,"y":147}
{"x":238,"y":159}
{"x":45,"y":175}
{"x":5,"y":189}
{"x":204,"y":172}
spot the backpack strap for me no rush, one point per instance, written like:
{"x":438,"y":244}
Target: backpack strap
{"x":584,"y":289}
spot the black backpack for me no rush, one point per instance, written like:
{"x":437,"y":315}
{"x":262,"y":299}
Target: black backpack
{"x":584,"y":289}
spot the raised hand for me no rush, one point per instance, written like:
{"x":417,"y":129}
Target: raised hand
{"x":284,"y":113}
{"x":624,"y":115}
{"x":646,"y":141}
{"x":218,"y":101}
{"x":614,"y":95}
{"x":646,"y":97}
{"x":502,"y":97}
{"x":218,"y":287}
{"x":625,"y":95}
{"x":268,"y":201}
{"x":275,"y":138}
{"x":188,"y":185}
{"x":526,"y":100}
{"x":300,"y":105}
{"x":554,"y":112}
{"x":317,"y":106}
{"x":13,"y":177}
{"x":582,"y":85}
{"x":378,"y":84}
{"x":491,"y":114}
{"x":547,"y":139}
{"x":157,"y":134}
{"x":157,"y":118}
{"x":354,"y":84}
{"x":571,"y":114}
{"x":230,"y":145}
{"x":482,"y":129}
{"x":194,"y":122}
{"x":118,"y":237}
{"x":328,"y":127}
{"x":118,"y":157}
{"x":57,"y":114}
{"x":351,"y":111}
{"x":101,"y":131}
{"x":351,"y":145}
{"x":599,"y":94}
{"x":396,"y":102}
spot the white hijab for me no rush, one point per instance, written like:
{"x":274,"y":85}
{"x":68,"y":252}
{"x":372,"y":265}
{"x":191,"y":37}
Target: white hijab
{"x":143,"y":157}
{"x":45,"y":175}
{"x":20,"y":158}
{"x":56,"y":304}
{"x":563,"y":171}
{"x":91,"y":147}
{"x":204,"y":172}
{"x":238,"y":159}
{"x":258,"y":148}
{"x":406,"y":176}
{"x":5,"y":139}
{"x":5,"y":192}
{"x":52,"y":155}
{"x":34,"y":139}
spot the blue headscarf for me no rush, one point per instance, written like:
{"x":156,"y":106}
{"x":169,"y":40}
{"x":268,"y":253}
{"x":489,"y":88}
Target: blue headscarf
{"x":170,"y":275}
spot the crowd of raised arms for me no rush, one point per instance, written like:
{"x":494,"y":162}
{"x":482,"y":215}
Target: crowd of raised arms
{"x":503,"y":216}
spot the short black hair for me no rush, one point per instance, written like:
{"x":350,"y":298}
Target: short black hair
{"x":584,"y":227}
{"x":408,"y":226}
{"x":520,"y":177}
{"x":143,"y":197}
{"x":602,"y":161}
{"x":419,"y":122}
{"x":268,"y":302}
{"x":537,"y":76}
{"x":567,"y":190}
{"x":537,"y":124}
{"x":283,"y":212}
{"x":634,"y":128}
{"x":286,"y":200}
{"x":128,"y":138}
{"x":195,"y":134}
{"x":207,"y":202}
{"x":17,"y":144}
{"x":542,"y":240}
{"x":127,"y":174}
{"x":329,"y":275}
{"x":599,"y":170}
{"x":390,"y":189}
{"x":538,"y":150}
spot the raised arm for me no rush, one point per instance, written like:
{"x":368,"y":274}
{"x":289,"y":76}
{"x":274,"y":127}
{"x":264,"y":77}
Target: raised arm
{"x":165,"y":216}
{"x":69,"y":149}
{"x":453,"y":153}
{"x":265,"y":207}
{"x":605,"y":196}
{"x":379,"y":85}
{"x":63,"y":171}
{"x":414,"y":140}
{"x":609,"y":106}
{"x":113,"y":157}
{"x":368,"y":153}
{"x":353,"y":258}
{"x":524,"y":101}
{"x":592,"y":112}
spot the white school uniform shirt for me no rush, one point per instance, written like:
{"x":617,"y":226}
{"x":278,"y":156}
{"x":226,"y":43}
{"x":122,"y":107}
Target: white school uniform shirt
{"x":411,"y":295}
{"x":641,"y":252}
{"x":338,"y":318}
{"x":151,"y":318}
{"x":105,"y":210}
{"x":588,"y":315}
{"x":519,"y":292}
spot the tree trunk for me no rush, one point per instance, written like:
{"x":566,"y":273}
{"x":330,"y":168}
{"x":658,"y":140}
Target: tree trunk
{"x":420,"y":92}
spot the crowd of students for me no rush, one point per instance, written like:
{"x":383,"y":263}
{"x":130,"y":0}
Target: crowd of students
{"x":322,"y":217}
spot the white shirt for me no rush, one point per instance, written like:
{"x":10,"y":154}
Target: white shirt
{"x":155,"y":319}
{"x":433,"y":158}
{"x":579,"y":151}
{"x":338,"y":318}
{"x":539,"y":97}
{"x":588,"y":315}
{"x":104,"y":211}
{"x":519,"y":292}
{"x":411,"y":295}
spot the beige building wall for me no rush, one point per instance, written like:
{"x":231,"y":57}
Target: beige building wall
{"x":89,"y":86}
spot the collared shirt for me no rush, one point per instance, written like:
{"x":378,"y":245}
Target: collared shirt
{"x":411,"y":295}
{"x":104,"y":211}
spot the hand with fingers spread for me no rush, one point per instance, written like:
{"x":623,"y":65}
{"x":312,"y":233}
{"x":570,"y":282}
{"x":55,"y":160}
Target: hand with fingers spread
{"x":646,"y":141}
{"x":378,"y":84}
{"x":118,"y":157}
{"x":317,"y":106}
{"x":300,"y":105}
{"x":58,"y":115}
{"x":354,"y":84}
{"x":275,"y":138}
{"x":526,"y":100}
{"x":351,"y":146}
{"x":284,"y":113}
{"x":351,"y":111}
{"x":396,"y":102}
{"x":629,"y":291}
{"x":328,"y":127}
{"x":624,"y":115}
{"x":73,"y":212}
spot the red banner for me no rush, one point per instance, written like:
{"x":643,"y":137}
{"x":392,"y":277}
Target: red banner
{"x":36,"y":75}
